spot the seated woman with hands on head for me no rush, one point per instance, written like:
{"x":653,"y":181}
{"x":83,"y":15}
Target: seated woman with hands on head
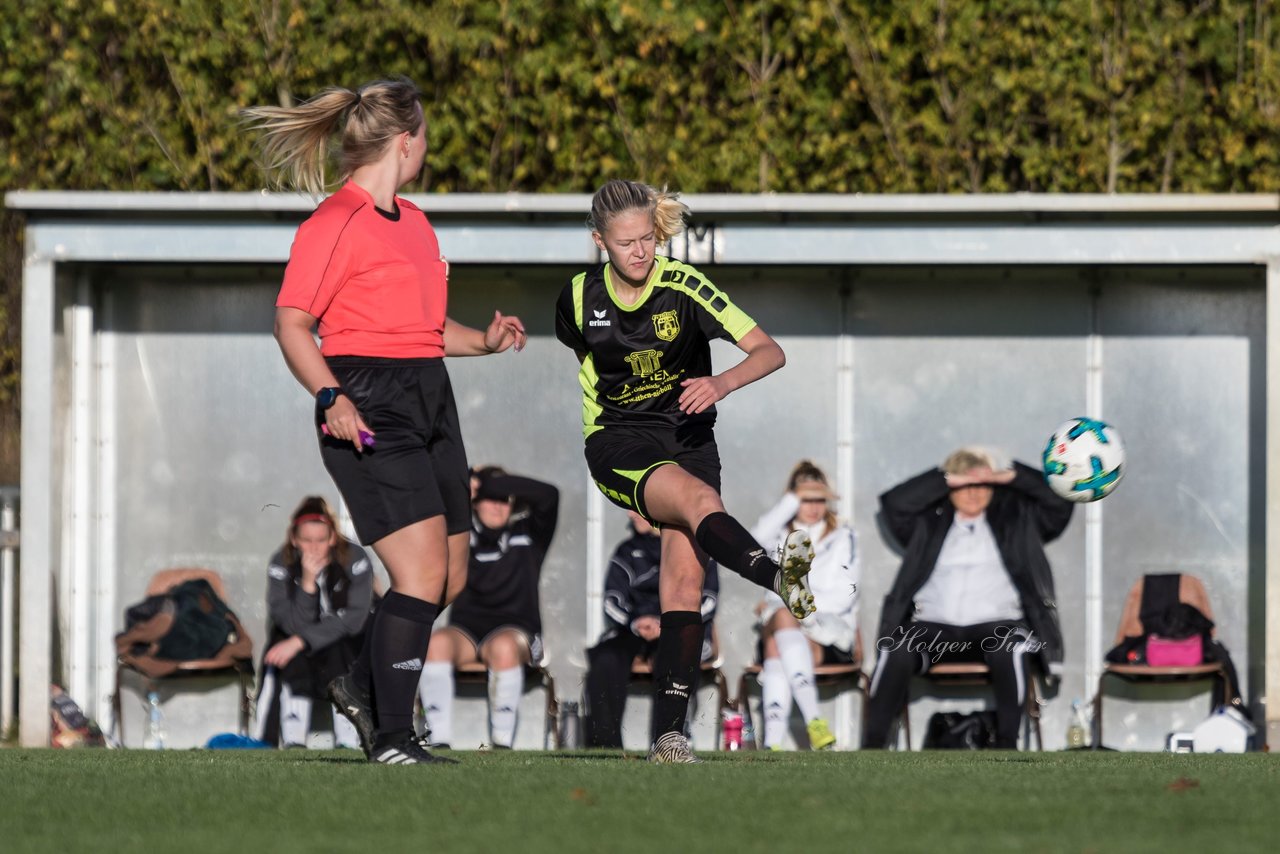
{"x":974,"y":585}
{"x":495,"y":619}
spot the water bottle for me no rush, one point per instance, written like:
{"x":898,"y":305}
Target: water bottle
{"x":732,"y":730}
{"x":570,"y":726}
{"x":748,"y":735}
{"x":155,"y":723}
{"x":1077,"y":733}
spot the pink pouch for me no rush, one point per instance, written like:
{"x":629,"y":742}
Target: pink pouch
{"x":1167,"y":652}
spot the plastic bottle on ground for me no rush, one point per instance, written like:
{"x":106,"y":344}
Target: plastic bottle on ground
{"x":1077,"y":732}
{"x":748,"y":735}
{"x":732,"y":730}
{"x":155,"y":723}
{"x":570,"y":726}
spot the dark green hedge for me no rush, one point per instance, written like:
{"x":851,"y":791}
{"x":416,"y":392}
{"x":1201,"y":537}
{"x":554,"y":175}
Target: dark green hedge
{"x":704,"y":95}
{"x":707,"y":95}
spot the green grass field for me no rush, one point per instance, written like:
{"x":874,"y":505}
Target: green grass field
{"x":528,"y":802}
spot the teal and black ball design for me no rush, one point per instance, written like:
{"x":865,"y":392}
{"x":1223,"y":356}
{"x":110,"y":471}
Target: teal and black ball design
{"x":1084,"y":459}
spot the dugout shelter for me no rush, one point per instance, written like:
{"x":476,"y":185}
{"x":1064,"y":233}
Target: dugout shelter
{"x":160,"y":426}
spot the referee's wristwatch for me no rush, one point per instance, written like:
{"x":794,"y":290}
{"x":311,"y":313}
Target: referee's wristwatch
{"x":327,"y":397}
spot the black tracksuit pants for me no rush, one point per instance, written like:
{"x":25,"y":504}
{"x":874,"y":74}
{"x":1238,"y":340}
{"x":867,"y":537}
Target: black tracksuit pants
{"x":917,"y":646}
{"x":608,"y":674}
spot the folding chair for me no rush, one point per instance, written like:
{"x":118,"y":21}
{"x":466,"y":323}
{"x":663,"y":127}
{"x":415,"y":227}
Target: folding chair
{"x":978,"y":674}
{"x":1191,"y":591}
{"x":824,"y":675}
{"x":235,"y":659}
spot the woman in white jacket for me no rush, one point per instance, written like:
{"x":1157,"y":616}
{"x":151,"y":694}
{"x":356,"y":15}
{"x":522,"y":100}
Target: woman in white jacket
{"x":790,"y":648}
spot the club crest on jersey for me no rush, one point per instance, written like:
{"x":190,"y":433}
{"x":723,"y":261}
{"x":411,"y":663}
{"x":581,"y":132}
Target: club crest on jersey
{"x":666,"y":325}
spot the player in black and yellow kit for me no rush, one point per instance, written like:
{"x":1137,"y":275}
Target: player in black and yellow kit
{"x":641,"y":326}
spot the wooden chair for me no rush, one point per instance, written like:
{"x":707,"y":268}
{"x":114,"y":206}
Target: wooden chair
{"x":476,"y":672}
{"x":1191,"y":591}
{"x":978,"y":674}
{"x":234,"y":660}
{"x":824,"y":675}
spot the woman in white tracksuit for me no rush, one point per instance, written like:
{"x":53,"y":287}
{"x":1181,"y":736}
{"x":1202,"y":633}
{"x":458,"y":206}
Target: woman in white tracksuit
{"x":790,"y":648}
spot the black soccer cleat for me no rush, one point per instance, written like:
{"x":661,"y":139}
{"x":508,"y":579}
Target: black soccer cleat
{"x":355,"y":706}
{"x":411,"y":751}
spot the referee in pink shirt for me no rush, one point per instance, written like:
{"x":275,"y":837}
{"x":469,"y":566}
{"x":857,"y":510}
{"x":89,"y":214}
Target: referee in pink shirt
{"x":367,"y":268}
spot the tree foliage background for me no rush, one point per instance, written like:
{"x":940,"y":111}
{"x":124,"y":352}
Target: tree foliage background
{"x":814,"y":96}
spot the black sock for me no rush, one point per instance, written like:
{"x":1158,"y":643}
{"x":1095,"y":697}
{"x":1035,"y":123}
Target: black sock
{"x":361,"y":671}
{"x":398,"y":640}
{"x":721,"y":536}
{"x":675,"y":670}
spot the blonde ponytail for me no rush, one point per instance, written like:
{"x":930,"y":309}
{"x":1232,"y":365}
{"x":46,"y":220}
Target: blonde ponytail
{"x":296,"y":142}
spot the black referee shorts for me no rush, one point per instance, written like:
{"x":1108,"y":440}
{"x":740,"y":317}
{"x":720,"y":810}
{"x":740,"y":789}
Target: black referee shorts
{"x":621,"y":459}
{"x":417,"y":467}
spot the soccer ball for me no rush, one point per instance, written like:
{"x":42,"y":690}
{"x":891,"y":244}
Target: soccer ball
{"x":1084,"y":460}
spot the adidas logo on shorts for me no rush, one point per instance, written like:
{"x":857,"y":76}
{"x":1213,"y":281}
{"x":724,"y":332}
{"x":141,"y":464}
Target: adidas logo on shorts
{"x":600,"y":318}
{"x":411,"y":664}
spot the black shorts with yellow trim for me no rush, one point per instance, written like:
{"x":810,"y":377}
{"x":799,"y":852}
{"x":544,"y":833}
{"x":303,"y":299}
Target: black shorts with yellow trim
{"x":621,"y":459}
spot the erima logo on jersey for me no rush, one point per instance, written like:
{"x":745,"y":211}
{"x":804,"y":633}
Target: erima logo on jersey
{"x":599,"y":321}
{"x":411,"y":664}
